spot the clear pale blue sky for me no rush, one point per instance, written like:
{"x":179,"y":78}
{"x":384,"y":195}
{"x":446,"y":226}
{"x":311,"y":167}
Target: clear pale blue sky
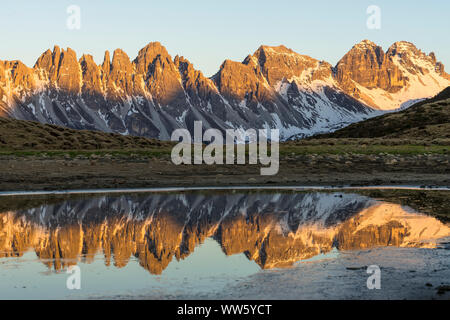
{"x":208,"y":31}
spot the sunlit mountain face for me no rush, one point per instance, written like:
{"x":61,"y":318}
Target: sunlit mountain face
{"x":275,"y":87}
{"x":274,"y":230}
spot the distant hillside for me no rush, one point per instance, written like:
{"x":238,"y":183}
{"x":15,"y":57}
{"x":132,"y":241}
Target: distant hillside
{"x":428,"y":119}
{"x":30,"y":135}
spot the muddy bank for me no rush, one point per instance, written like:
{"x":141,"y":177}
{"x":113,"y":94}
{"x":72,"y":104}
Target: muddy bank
{"x":135,"y":171}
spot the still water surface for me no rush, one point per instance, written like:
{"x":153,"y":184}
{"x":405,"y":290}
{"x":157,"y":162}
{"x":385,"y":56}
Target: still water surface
{"x":220,"y":244}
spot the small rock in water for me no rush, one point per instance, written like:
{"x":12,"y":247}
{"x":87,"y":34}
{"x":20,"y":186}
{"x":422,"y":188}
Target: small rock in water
{"x":356,"y":268}
{"x":443,"y":289}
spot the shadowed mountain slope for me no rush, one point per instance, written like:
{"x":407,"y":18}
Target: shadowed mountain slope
{"x":426,"y":119}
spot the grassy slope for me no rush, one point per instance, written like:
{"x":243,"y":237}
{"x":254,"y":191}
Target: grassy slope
{"x":19,"y":135}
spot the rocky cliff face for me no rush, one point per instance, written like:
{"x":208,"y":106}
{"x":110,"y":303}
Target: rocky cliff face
{"x":274,"y":88}
{"x":386,"y":80}
{"x":368,"y":65}
{"x":274,"y":230}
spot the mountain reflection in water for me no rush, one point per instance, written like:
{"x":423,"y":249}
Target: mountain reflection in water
{"x":273,"y":229}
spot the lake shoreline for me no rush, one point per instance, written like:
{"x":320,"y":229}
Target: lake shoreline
{"x":327,"y":172}
{"x":30,"y":173}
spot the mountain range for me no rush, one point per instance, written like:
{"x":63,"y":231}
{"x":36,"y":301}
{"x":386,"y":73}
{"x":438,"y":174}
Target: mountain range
{"x":274,"y":87}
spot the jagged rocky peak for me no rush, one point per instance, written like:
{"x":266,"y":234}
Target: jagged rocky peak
{"x":69,"y":72}
{"x":194,"y":82}
{"x":251,"y":61}
{"x":158,"y":70}
{"x":16,"y":81}
{"x":239,"y":81}
{"x":160,"y":74}
{"x":368,"y":65}
{"x":62,"y":69}
{"x":366,"y":45}
{"x":413,"y":60}
{"x":106,"y":65}
{"x":49,"y":62}
{"x":92,"y":76}
{"x":186,"y":68}
{"x":280,"y":63}
{"x":121,"y":74}
{"x":21,"y":75}
{"x":148,"y":55}
{"x":440,"y":69}
{"x":121,"y":62}
{"x":404,"y":47}
{"x":408,"y":53}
